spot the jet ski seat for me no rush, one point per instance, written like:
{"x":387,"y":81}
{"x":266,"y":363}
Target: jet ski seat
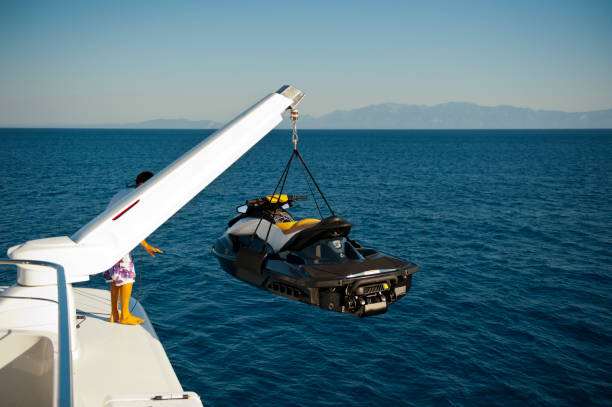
{"x":289,"y":228}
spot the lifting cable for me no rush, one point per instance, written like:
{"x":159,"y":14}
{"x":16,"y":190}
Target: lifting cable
{"x":283,"y":179}
{"x":294,"y":137}
{"x":314,"y":182}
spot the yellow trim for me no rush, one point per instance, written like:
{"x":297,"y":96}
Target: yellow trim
{"x":285,"y":225}
{"x":291,"y":227}
{"x":308,"y":220}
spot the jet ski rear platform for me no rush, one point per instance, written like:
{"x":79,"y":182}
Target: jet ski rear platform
{"x":310,"y":261}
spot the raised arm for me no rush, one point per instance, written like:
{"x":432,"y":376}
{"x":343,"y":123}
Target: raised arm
{"x":150,"y":249}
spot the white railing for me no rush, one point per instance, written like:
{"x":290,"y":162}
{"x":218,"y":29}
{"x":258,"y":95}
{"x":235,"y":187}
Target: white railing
{"x":64,"y":390}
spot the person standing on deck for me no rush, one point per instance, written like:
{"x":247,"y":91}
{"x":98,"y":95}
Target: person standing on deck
{"x":123,"y":274}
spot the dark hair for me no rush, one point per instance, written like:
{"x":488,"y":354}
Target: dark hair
{"x":143,"y":177}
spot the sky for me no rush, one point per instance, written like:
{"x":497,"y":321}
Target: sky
{"x":96,"y":62}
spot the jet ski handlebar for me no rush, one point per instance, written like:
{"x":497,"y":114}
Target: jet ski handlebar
{"x":298,"y":197}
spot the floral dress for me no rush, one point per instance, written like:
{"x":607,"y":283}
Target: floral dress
{"x":121,"y":273}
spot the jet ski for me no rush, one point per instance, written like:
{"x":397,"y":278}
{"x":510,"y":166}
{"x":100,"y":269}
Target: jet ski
{"x":310,"y":260}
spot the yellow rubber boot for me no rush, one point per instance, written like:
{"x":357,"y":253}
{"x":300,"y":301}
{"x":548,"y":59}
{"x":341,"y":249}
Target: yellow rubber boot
{"x":114,"y":292}
{"x":126,"y":317}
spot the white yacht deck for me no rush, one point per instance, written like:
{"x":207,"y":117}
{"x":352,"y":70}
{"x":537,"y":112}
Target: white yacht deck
{"x":115,"y":366}
{"x":121,"y":364}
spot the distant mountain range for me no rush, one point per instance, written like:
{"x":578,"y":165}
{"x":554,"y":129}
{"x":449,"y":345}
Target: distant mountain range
{"x":453,"y":115}
{"x":170,"y":124}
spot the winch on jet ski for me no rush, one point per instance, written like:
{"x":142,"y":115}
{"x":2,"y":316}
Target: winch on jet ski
{"x":312,"y":261}
{"x":309,"y":260}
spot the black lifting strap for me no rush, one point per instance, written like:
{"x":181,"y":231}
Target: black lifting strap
{"x":299,"y":156}
{"x":254,"y":260}
{"x":283,"y":179}
{"x":294,"y":138}
{"x":281,"y":182}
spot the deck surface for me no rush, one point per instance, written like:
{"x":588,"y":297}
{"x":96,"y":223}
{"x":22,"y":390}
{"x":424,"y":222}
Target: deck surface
{"x":118,"y":361}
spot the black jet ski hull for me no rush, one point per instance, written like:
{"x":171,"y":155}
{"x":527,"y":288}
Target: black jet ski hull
{"x":361,"y":288}
{"x":311,"y":261}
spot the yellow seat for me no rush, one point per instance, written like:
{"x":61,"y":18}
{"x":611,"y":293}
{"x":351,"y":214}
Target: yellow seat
{"x":284,"y":226}
{"x":292,"y":227}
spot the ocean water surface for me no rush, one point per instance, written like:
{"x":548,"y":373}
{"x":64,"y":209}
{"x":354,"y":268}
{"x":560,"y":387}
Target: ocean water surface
{"x":511,"y":230}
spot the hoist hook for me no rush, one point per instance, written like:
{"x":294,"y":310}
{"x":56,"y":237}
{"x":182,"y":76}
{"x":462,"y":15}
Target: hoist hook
{"x":294,"y":118}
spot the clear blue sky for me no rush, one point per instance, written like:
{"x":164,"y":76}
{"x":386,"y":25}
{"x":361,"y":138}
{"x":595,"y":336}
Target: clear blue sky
{"x":88,"y":62}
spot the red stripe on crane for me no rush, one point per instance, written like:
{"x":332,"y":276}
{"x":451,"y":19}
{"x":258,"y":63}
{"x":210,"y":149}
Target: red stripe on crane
{"x":125,"y":210}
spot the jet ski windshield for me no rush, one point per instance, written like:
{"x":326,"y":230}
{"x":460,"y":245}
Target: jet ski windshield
{"x":327,"y":251}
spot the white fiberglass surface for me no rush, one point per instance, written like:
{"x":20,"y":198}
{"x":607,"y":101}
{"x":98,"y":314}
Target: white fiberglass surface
{"x":26,"y":370}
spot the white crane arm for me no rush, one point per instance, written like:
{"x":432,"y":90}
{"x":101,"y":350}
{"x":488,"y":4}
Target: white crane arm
{"x":121,"y":227}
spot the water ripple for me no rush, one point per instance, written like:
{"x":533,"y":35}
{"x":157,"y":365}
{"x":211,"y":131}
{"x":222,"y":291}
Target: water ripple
{"x":510,"y":229}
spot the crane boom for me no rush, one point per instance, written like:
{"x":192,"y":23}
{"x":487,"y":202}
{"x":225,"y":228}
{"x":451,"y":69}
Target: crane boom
{"x":109,"y":236}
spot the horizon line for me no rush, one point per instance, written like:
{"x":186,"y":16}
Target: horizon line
{"x":102,"y":125}
{"x":309,"y":129}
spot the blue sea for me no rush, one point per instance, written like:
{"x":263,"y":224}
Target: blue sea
{"x":512,"y":305}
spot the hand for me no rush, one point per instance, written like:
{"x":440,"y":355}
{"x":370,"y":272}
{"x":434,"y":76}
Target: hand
{"x":150,"y":249}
